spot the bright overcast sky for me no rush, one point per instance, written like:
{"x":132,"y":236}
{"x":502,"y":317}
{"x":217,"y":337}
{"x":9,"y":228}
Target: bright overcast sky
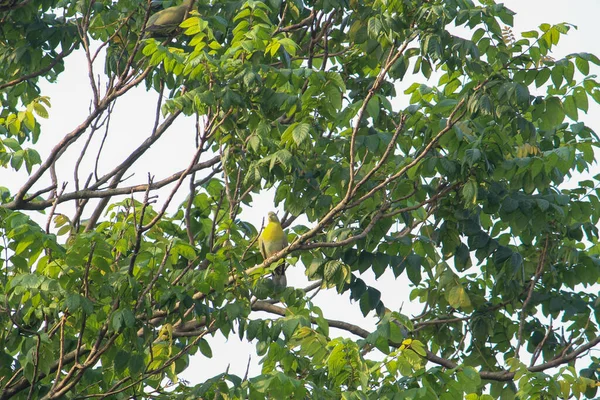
{"x":132,"y":121}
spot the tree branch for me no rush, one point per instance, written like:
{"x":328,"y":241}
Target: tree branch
{"x":502,"y":375}
{"x":107,"y":193}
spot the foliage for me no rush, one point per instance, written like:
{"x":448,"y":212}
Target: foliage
{"x":453,"y":157}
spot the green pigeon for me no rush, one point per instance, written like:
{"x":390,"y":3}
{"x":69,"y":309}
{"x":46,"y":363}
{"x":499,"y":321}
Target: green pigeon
{"x":273,"y":239}
{"x":166,"y":21}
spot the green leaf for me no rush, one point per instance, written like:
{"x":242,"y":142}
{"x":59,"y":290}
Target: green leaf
{"x":542,"y":204}
{"x":581,"y":100}
{"x":557,"y":75}
{"x":17,"y":160}
{"x":123,"y":318}
{"x":462,"y":259}
{"x":413,"y":268}
{"x":458,"y":298}
{"x":418,"y":348}
{"x":301,"y":133}
{"x":136,"y":364}
{"x":570,"y":107}
{"x":582,"y":65}
{"x":522,"y":94}
{"x":12,"y":144}
{"x":331,"y":269}
{"x":485,"y":104}
{"x":451,"y":87}
{"x":471,"y":157}
{"x":73,"y":303}
{"x":374,"y":27}
{"x":530,"y":34}
{"x":469,"y":192}
{"x":25,"y":243}
{"x":554,"y":114}
{"x":542,"y":77}
{"x":381,"y":263}
{"x":369,"y":300}
{"x":516,"y":261}
{"x":336,"y":360}
{"x":40,"y":110}
{"x":121,"y":361}
{"x":373,"y":107}
{"x":444,"y":105}
{"x":205,"y":348}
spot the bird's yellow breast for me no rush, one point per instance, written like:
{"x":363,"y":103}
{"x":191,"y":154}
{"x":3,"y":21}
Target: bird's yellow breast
{"x":273,"y":239}
{"x":273,"y":231}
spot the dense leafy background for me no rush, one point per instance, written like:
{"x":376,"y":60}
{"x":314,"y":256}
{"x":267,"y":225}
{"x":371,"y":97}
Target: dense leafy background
{"x":453,"y":160}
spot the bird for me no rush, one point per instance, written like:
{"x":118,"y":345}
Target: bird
{"x":272,"y":240}
{"x":166,"y":21}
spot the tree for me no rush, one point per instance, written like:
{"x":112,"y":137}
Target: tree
{"x":462,"y":190}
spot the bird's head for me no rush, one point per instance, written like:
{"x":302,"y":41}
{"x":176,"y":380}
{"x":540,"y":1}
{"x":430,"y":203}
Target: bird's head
{"x":272,"y":217}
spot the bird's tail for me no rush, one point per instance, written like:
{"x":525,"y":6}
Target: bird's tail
{"x":279,"y":279}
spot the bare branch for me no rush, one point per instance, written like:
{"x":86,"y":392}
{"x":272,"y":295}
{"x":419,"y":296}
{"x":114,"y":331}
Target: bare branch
{"x":107,"y":193}
{"x":69,"y":139}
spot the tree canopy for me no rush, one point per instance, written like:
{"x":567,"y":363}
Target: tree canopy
{"x":420,"y":137}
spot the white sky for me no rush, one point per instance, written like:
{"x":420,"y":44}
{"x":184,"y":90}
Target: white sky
{"x":133,"y":118}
